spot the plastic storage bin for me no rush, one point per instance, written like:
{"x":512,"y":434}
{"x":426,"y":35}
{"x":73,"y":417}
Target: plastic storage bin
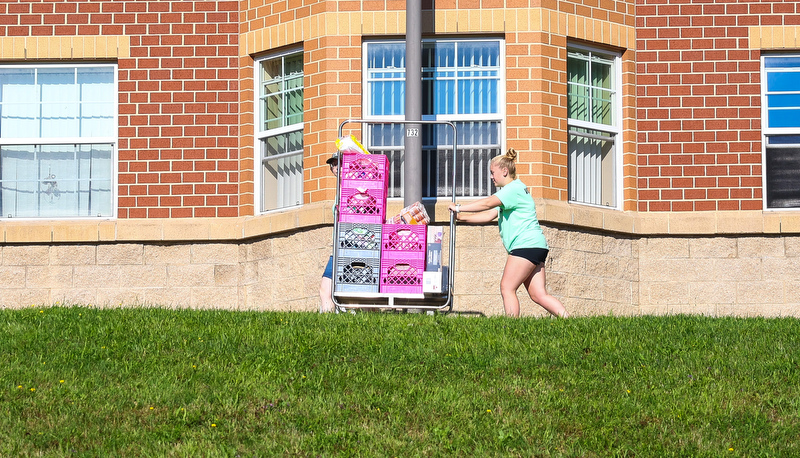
{"x":364,"y":167}
{"x":364,"y":180}
{"x":406,"y":238}
{"x":401,"y":275}
{"x":362,"y":205}
{"x":358,"y":274}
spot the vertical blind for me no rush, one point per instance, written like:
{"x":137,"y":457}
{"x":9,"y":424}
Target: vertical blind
{"x":782,"y":130}
{"x":281,"y":131}
{"x":461,"y":81}
{"x":591,"y":167}
{"x":591,"y":102}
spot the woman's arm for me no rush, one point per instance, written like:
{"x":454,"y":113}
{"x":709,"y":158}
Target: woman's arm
{"x":479,"y":217}
{"x":480,"y":211}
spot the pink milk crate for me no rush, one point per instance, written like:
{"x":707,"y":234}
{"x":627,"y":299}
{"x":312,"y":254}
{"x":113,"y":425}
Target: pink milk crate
{"x":362,"y":205}
{"x":401,"y":275}
{"x":357,"y":238}
{"x":364,"y":167}
{"x":408,"y":239}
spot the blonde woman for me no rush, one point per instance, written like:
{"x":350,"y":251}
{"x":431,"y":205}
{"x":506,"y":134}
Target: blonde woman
{"x":522,"y":236}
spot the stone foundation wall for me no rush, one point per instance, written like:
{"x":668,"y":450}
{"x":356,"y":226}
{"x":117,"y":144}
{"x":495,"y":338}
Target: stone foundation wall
{"x":594,"y":273}
{"x":720,"y":276}
{"x":590,"y":272}
{"x":277,"y":273}
{"x":275,"y":264}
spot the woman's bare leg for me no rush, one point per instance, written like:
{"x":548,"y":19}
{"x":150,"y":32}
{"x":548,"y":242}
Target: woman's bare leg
{"x":325,"y":299}
{"x":516,"y":272}
{"x":536,"y":287}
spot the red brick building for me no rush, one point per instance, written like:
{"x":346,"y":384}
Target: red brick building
{"x":173,"y":152}
{"x":699,"y":129}
{"x":178,"y":93}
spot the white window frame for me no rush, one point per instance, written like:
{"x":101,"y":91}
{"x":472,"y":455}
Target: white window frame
{"x":76,"y":141}
{"x":258,"y":148}
{"x":477,"y":184}
{"x":767,"y":131}
{"x":612,"y":133}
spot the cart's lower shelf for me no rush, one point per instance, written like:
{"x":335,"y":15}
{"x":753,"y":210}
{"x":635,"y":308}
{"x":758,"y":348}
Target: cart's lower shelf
{"x":431,"y":301}
{"x":378,"y":295}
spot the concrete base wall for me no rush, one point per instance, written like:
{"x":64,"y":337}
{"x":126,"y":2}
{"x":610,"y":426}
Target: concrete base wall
{"x":593,"y":272}
{"x":730,"y":276}
{"x":277,"y":273}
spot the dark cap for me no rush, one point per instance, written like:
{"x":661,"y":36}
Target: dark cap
{"x":333,"y":160}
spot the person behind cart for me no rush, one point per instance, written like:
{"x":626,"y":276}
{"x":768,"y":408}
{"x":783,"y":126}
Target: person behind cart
{"x":522,"y":236}
{"x":326,"y":285}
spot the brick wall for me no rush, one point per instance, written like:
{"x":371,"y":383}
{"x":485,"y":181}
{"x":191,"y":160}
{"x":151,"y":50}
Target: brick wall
{"x":703,"y":275}
{"x":699,"y":107}
{"x":535,"y":71}
{"x":332,"y":95}
{"x":618,"y":12}
{"x":183,"y":151}
{"x":278,"y":273}
{"x":178,"y":97}
{"x":536,"y":102}
{"x":332,"y":88}
{"x":536,"y":110}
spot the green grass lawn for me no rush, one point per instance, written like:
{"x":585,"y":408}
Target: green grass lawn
{"x":79,"y":381}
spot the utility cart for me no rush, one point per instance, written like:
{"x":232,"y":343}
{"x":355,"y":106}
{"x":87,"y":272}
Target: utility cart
{"x":379,"y":265}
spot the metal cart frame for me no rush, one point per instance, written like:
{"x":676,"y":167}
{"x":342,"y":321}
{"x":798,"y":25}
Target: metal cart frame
{"x":388,"y":300}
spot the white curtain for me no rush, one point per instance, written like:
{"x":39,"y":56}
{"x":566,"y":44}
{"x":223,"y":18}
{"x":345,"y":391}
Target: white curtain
{"x":53,"y":168}
{"x":19,"y":96}
{"x":56,"y":180}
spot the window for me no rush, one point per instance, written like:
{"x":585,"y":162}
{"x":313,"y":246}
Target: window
{"x":780,"y":86}
{"x":279,"y":130}
{"x":594,"y":114}
{"x":58,"y":138}
{"x":462,"y":82}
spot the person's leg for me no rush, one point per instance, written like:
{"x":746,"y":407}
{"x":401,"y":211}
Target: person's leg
{"x":326,"y":301}
{"x":516,"y":272}
{"x":535,"y":285}
{"x":326,"y":289}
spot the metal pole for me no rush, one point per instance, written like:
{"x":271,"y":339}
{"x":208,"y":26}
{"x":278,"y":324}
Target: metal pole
{"x":412,"y":167}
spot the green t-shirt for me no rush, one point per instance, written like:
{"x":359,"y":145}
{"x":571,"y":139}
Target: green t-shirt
{"x":519,"y":227}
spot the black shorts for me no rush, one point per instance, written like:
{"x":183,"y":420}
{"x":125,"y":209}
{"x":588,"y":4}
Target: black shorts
{"x":535,"y":255}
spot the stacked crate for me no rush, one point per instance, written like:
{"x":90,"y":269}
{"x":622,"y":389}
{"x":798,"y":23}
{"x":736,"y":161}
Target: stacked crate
{"x":358,"y":262}
{"x":362,"y":210}
{"x":402,"y":258}
{"x":373,"y":257}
